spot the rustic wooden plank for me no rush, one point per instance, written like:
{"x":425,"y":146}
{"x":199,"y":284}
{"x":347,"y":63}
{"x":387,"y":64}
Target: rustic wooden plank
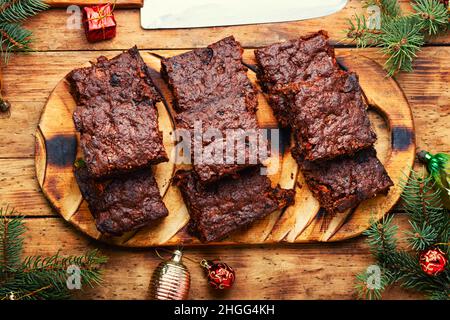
{"x":118,"y":3}
{"x":51,"y":32}
{"x":19,"y":187}
{"x":324,"y":271}
{"x":426,"y":89}
{"x":59,"y":185}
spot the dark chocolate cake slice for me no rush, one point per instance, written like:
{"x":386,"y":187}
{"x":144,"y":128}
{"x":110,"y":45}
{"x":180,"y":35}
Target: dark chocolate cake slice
{"x":230,"y":204}
{"x":304,"y":59}
{"x":329,"y":116}
{"x":211,"y":90}
{"x":206,"y":75}
{"x":342,"y":183}
{"x":122,"y":204}
{"x":116,"y":115}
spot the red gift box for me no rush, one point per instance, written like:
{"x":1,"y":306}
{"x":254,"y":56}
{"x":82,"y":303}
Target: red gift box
{"x":99,"y":22}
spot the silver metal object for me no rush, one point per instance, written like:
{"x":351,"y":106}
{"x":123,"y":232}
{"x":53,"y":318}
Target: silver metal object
{"x":171,"y":279}
{"x":171,"y":14}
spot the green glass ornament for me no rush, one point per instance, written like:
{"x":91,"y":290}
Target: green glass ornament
{"x":438,"y":166}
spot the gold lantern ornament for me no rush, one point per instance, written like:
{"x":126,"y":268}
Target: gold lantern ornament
{"x":171,"y":279}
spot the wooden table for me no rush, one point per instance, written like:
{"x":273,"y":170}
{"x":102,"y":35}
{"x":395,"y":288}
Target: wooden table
{"x":317,"y":271}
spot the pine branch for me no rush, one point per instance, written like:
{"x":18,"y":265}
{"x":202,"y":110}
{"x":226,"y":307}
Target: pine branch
{"x":431,"y":15}
{"x":400,"y":40}
{"x":13,"y":38}
{"x":39,"y":290}
{"x":381,"y":238}
{"x":45,"y":278}
{"x":422,"y":236}
{"x":11,"y":240}
{"x":389,"y":8}
{"x":365,"y":291}
{"x":39,"y":277}
{"x":360,"y":32}
{"x":411,"y":276}
{"x":430,"y":224}
{"x":54,"y":268}
{"x":19,"y":10}
{"x":400,"y":37}
{"x":422,"y":203}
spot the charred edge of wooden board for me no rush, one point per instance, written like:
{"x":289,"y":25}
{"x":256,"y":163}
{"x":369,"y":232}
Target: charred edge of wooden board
{"x":402,"y":138}
{"x":61,"y":150}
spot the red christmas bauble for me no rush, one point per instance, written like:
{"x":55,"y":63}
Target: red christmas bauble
{"x":433,"y":261}
{"x":220,"y":275}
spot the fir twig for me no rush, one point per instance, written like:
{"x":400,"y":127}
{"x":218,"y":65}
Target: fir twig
{"x":13,"y":37}
{"x":381,"y":237}
{"x":400,"y":37}
{"x":400,"y":40}
{"x":19,"y":10}
{"x":430,"y":224}
{"x":54,"y":268}
{"x":11,"y":241}
{"x":38,"y":277}
{"x":364,"y":291}
{"x":431,"y":15}
{"x":389,"y":8}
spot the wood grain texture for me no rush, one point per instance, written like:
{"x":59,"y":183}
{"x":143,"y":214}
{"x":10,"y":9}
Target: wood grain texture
{"x":426,"y":89}
{"x":57,"y":143}
{"x":313,"y":271}
{"x":50,"y":32}
{"x":120,"y":4}
{"x":324,"y":271}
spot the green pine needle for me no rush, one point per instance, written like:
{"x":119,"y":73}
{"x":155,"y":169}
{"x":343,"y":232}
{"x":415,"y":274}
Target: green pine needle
{"x":11,"y":240}
{"x":364,"y":291}
{"x":422,"y":200}
{"x":430,"y":227}
{"x":13,"y":37}
{"x":360,"y":33}
{"x":381,"y":237}
{"x":401,"y":36}
{"x":400,"y":40}
{"x":389,"y":8}
{"x":38,"y":277}
{"x":432,"y":16}
{"x":422,"y":236}
{"x":19,"y":10}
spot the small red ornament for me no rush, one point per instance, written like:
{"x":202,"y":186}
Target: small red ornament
{"x":220,"y":275}
{"x":99,"y":22}
{"x":433,"y":261}
{"x":445,"y":3}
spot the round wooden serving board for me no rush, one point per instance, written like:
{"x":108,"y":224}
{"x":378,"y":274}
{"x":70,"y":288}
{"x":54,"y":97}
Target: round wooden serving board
{"x":57,"y":148}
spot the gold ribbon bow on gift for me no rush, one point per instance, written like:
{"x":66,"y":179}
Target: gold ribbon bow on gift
{"x":102,"y":15}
